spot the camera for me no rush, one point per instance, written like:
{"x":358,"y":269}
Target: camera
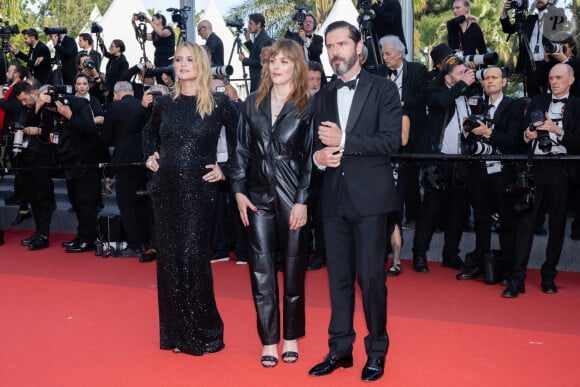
{"x":552,"y":48}
{"x":55,"y":30}
{"x":152,"y":73}
{"x":96,"y":28}
{"x":238,"y":23}
{"x":222,"y":70}
{"x":155,"y":94}
{"x":19,"y":142}
{"x":364,"y":4}
{"x":9,"y":30}
{"x":301,"y":12}
{"x":524,"y":189}
{"x":179,"y":15}
{"x":479,"y":109}
{"x":432,"y":179}
{"x":489,"y":58}
{"x":519,"y":4}
{"x":59,"y":93}
{"x":141,"y":16}
{"x":89,"y":64}
{"x":544,"y":141}
{"x":102,"y":249}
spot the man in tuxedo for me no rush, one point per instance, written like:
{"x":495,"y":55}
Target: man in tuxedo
{"x":388,"y":20}
{"x":38,"y":59}
{"x":86,"y":45}
{"x":359,"y":126}
{"x":533,"y":28}
{"x":306,"y":38}
{"x":256,"y":26}
{"x":487,"y":181}
{"x":410,"y":79}
{"x":561,"y":125}
{"x":66,"y":52}
{"x":212,"y":42}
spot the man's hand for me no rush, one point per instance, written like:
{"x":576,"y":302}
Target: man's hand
{"x":549,"y":126}
{"x":246,"y":34}
{"x":481,"y":130}
{"x":302,"y":34}
{"x":63,"y":110}
{"x":38,"y":61}
{"x":241,"y":57}
{"x":468,"y":77}
{"x":329,"y":133}
{"x":14,"y":49}
{"x":329,"y":156}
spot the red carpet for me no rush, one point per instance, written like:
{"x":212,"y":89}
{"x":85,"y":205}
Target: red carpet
{"x":80,"y":320}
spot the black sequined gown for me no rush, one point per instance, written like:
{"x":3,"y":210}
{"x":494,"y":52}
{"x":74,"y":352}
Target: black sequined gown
{"x":183,"y":206}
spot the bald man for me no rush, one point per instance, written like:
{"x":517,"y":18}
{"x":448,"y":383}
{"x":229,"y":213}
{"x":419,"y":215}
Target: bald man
{"x":212,"y":41}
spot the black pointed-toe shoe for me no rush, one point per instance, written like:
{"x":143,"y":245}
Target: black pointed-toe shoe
{"x":470,"y":274}
{"x":373,"y":369}
{"x":513,"y":290}
{"x":330,"y":363}
{"x":21,"y":217}
{"x":81,"y":247}
{"x":38,"y":243}
{"x":70,"y":243}
{"x":420,"y":264}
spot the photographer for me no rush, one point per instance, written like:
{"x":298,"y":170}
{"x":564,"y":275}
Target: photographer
{"x":97,"y":86}
{"x":74,"y":139}
{"x":212,"y":42}
{"x":66,"y":53}
{"x":564,"y":50}
{"x":162,"y":37}
{"x":533,"y":28}
{"x":497,"y":130}
{"x":37,"y":184}
{"x":388,"y":20}
{"x":256,"y":27}
{"x":86,"y":44}
{"x":554,"y":129}
{"x":116,"y":66}
{"x":305,"y":37}
{"x":38,"y":59}
{"x":463,"y":32}
{"x":447,"y":103}
{"x":145,"y":78}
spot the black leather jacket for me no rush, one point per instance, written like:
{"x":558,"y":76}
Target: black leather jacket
{"x":273,"y":161}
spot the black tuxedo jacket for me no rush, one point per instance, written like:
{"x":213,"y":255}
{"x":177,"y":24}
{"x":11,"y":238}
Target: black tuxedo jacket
{"x":42,"y":71}
{"x":373,"y":133}
{"x":66,"y":50}
{"x":315,"y":48}
{"x":388,"y":20}
{"x":216,"y":48}
{"x":528,"y":28}
{"x":253,"y":61}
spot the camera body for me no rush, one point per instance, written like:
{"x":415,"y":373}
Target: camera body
{"x":237,"y":23}
{"x":364,"y":4}
{"x":89,"y":64}
{"x":7,"y":30}
{"x":300,"y":15}
{"x":96,"y":28}
{"x":544,"y":141}
{"x":476,"y":145}
{"x":159,"y":71}
{"x":19,"y":140}
{"x":524,"y":189}
{"x":55,"y":30}
{"x":59,"y":93}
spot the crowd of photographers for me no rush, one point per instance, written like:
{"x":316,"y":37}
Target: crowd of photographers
{"x":457,"y":108}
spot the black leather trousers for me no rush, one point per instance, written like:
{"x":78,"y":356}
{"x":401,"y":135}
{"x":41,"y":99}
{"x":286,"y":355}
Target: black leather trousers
{"x":269,"y":235}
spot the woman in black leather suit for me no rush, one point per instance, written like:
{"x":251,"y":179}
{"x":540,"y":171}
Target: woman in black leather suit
{"x":271,"y":176}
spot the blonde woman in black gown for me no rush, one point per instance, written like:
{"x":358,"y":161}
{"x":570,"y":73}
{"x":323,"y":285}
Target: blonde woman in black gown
{"x":181,"y":139}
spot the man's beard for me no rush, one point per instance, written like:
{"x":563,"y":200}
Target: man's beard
{"x":348,"y":63}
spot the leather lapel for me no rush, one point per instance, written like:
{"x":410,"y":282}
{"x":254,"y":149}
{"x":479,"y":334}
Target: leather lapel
{"x":360,"y":96}
{"x":266,"y":109}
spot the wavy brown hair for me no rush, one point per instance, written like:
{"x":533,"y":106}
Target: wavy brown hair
{"x":204,"y":94}
{"x":291,"y":50}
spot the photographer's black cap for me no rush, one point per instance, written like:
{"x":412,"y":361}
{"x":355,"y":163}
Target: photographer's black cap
{"x":440,"y":52}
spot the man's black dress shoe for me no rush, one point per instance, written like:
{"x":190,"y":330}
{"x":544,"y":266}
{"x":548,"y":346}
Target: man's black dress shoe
{"x":453,"y":262}
{"x":330,"y":363}
{"x":470,"y":274}
{"x":373,"y":369}
{"x":21,"y":217}
{"x":1,"y":237}
{"x":70,"y":243}
{"x":220,"y":257}
{"x":38,"y":243}
{"x":128,"y":252}
{"x":513,"y":290}
{"x":549,"y":287}
{"x":316,"y":263}
{"x":81,"y":247}
{"x":420,"y":265}
{"x":26,"y":242}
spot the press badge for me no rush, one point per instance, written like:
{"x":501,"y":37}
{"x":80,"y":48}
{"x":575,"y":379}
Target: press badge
{"x":54,"y":137}
{"x":493,"y":167}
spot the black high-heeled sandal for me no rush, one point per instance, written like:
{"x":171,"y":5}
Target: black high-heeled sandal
{"x":290,"y":357}
{"x":269,"y":358}
{"x":395,"y":270}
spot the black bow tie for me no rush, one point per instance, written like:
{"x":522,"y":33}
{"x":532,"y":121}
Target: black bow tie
{"x":556,"y":100}
{"x":391,"y":72}
{"x":350,"y":84}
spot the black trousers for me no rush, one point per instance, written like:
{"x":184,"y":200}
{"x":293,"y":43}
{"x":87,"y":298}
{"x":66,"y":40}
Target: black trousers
{"x":450,"y":203}
{"x":135,"y":211}
{"x":225,"y":221}
{"x":355,"y":250}
{"x":410,"y":191}
{"x":552,"y":185}
{"x":487,"y":193}
{"x":269,"y":235}
{"x":38,"y":188}
{"x":81,"y":193}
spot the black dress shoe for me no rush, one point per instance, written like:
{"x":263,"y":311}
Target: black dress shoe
{"x":21,"y":217}
{"x":26,"y":242}
{"x":39,"y":243}
{"x":420,"y":264}
{"x":148,"y":256}
{"x":220,"y":257}
{"x":128,"y":252}
{"x":513,"y":290}
{"x":373,"y":369}
{"x":470,"y":274}
{"x":70,"y":243}
{"x":549,"y":287}
{"x":1,"y":237}
{"x":330,"y":363}
{"x":453,"y":262}
{"x":316,"y":263}
{"x":81,"y":247}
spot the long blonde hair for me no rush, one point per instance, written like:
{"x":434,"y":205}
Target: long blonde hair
{"x":205,"y":101}
{"x":294,"y":53}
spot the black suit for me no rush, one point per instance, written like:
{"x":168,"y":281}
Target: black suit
{"x":216,"y":49}
{"x":253,"y":61}
{"x":95,"y":56}
{"x":123,"y":129}
{"x":552,"y":184}
{"x":66,"y":51}
{"x":42,"y":71}
{"x":388,"y":20}
{"x":356,"y":197}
